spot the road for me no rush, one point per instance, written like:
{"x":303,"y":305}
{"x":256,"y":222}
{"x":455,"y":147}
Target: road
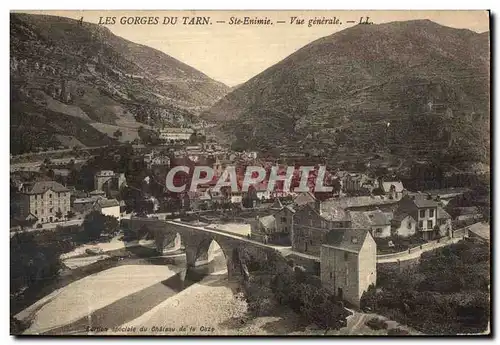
{"x":415,"y":252}
{"x":49,"y":226}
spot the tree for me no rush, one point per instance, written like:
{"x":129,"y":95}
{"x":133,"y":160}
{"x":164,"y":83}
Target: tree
{"x":70,"y":214}
{"x":59,"y":214}
{"x":147,"y":136}
{"x":96,"y":223}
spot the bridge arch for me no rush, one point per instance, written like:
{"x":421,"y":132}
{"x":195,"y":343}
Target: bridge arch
{"x":167,"y":242}
{"x":203,"y":251}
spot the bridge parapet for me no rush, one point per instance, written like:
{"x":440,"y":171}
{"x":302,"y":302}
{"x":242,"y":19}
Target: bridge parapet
{"x":197,"y":238}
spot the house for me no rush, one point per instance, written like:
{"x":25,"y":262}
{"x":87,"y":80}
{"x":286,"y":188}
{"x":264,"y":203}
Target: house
{"x":171,"y":134}
{"x":363,"y":203}
{"x":156,"y":159}
{"x":403,"y":225}
{"x":310,"y":227}
{"x":304,"y":198}
{"x":97,"y":194}
{"x":236,"y":197}
{"x":348,"y":263}
{"x":354,"y":183}
{"x":83,"y":205}
{"x":424,"y":211}
{"x":108,"y":207}
{"x":377,"y":221}
{"x":392,"y":189}
{"x":47,"y":201}
{"x":284,"y":222}
{"x":263,"y":229}
{"x":445,"y":195}
{"x":467,"y":213}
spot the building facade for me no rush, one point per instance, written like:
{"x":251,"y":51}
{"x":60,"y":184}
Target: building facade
{"x":309,"y":229}
{"x":173,"y":134}
{"x":403,"y":225}
{"x":108,"y":207}
{"x":424,"y":211}
{"x":349,"y":263}
{"x":47,"y":201}
{"x":377,"y":221}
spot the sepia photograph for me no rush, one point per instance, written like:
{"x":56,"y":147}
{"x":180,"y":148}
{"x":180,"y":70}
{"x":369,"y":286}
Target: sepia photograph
{"x":250,"y":173}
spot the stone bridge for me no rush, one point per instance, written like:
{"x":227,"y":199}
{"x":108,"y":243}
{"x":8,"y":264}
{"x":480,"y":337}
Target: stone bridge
{"x":197,"y":238}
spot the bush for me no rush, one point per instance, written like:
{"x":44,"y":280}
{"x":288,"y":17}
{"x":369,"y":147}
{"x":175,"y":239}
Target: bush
{"x":447,"y":293}
{"x":95,"y":223}
{"x":259,"y":297}
{"x":368,"y":300}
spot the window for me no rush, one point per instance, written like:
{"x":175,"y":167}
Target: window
{"x":409,"y":224}
{"x":422,"y":213}
{"x":429,"y":224}
{"x":431,"y":213}
{"x":50,"y":196}
{"x":378,"y":231}
{"x":421,"y":224}
{"x":311,"y":242}
{"x":283,"y":219}
{"x":346,"y":256}
{"x":51,"y":210}
{"x":331,"y":275}
{"x":36,"y":212}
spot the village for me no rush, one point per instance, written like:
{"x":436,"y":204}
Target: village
{"x":339,"y":236}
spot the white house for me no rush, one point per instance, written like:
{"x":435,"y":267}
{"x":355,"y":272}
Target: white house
{"x":108,"y":207}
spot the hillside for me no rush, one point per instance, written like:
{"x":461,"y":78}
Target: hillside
{"x":338,"y":94}
{"x":82,"y":83}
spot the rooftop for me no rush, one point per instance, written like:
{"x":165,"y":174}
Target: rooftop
{"x":481,"y":230}
{"x":422,"y":201}
{"x":177,"y":130}
{"x":370,"y":218}
{"x":267,"y":221}
{"x":442,"y":214}
{"x":347,"y":239}
{"x":400,"y":216}
{"x":398,"y":185}
{"x":304,"y":198}
{"x":43,"y":186}
{"x":108,"y":202}
{"x":333,"y":213}
{"x":358,"y":201}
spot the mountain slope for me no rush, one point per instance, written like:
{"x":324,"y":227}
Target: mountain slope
{"x":338,"y":93}
{"x":92,"y":78}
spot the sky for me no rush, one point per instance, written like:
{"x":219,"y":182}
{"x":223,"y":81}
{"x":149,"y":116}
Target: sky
{"x":233,"y":54}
